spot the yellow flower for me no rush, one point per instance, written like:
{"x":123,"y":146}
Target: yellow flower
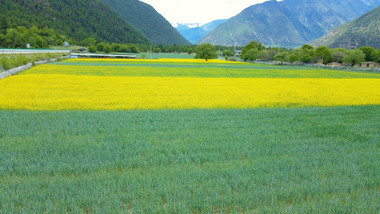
{"x":79,"y":92}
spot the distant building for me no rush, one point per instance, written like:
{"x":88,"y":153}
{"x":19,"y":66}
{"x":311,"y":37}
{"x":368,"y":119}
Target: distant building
{"x":89,"y":55}
{"x":369,"y":65}
{"x":65,"y":44}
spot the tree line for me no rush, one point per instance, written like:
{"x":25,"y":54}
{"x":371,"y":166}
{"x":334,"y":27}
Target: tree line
{"x":36,"y":37}
{"x":308,"y":54}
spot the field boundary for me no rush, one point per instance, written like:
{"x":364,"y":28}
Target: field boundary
{"x":14,"y":71}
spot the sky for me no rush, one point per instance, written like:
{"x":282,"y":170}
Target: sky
{"x":199,"y":11}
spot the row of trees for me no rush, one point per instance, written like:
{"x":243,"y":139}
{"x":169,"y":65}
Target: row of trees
{"x":36,"y":37}
{"x":307,"y":54}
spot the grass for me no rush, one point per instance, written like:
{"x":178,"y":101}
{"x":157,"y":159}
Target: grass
{"x":9,"y":61}
{"x":295,"y":160}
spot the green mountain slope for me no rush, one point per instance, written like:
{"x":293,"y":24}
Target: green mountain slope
{"x":287,"y":22}
{"x":363,"y":31}
{"x":76,"y":19}
{"x":147,"y":20}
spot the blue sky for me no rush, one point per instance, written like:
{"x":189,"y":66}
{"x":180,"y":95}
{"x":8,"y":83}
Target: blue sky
{"x":199,"y":11}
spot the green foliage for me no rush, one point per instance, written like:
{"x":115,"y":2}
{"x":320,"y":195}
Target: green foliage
{"x":321,"y":160}
{"x":92,"y":49}
{"x":206,"y":51}
{"x":156,"y":50}
{"x":251,"y":45}
{"x":9,"y":61}
{"x":354,"y":57}
{"x":250,"y":55}
{"x":324,"y":54}
{"x":100,"y":46}
{"x":281,"y":57}
{"x":307,"y":47}
{"x":338,"y":55}
{"x":306,"y":58}
{"x":263,"y":55}
{"x":227,"y":53}
{"x":133,"y":49}
{"x":368,"y":51}
{"x":77,"y":19}
{"x":376,"y":56}
{"x":89,"y":42}
{"x":107,"y":48}
{"x":190,"y":51}
{"x":37,"y":38}
{"x":115,"y":47}
{"x":293,"y":58}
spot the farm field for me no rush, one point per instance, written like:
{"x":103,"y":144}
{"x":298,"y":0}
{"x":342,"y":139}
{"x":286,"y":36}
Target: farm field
{"x":188,"y":136}
{"x":182,"y":84}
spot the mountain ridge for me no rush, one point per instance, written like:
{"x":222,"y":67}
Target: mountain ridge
{"x":147,"y":20}
{"x":76,"y":19}
{"x":194,"y":34}
{"x":363,"y":31}
{"x":288,"y":22}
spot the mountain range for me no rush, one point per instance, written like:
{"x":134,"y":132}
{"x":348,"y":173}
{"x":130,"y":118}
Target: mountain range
{"x":119,"y":21}
{"x":363,"y":31}
{"x":194,"y":34}
{"x":287,"y":22}
{"x":147,"y":20}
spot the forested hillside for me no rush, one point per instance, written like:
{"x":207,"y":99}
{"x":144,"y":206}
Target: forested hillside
{"x":287,"y":22}
{"x":363,"y":31}
{"x":147,"y":20}
{"x":76,"y":19}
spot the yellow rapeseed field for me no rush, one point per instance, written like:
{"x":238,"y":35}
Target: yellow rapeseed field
{"x":72,"y":92}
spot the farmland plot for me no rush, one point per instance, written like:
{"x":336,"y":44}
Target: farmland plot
{"x":186,"y":136}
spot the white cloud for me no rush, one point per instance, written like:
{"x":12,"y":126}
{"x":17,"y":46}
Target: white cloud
{"x":199,"y":11}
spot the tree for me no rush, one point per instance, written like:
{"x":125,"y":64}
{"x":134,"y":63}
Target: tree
{"x":89,"y":41}
{"x":115,"y":47}
{"x":293,"y":58}
{"x":227,"y":53}
{"x":133,"y":49}
{"x":100,"y":46}
{"x":307,"y":47}
{"x":263,"y":55}
{"x":281,"y":57}
{"x":368,"y":51}
{"x":376,"y":56}
{"x":190,"y":51}
{"x":251,"y":54}
{"x":157,"y":50}
{"x":306,"y":58}
{"x":251,"y":45}
{"x":92,"y":49}
{"x":324,"y":54}
{"x":107,"y":48}
{"x":338,"y":55}
{"x":354,"y":57}
{"x":205,"y":51}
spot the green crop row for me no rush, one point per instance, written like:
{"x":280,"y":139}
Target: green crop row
{"x":298,"y":160}
{"x":185,"y":69}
